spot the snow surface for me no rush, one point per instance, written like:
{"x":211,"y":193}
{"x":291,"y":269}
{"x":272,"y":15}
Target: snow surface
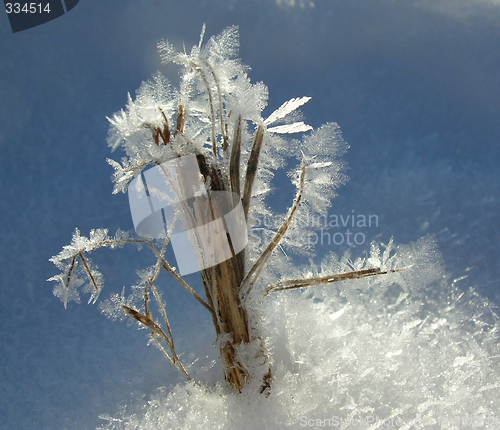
{"x":415,"y":89}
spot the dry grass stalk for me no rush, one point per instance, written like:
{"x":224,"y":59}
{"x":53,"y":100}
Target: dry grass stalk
{"x":227,"y":284}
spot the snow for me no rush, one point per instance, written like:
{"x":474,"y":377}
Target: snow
{"x":376,"y":360}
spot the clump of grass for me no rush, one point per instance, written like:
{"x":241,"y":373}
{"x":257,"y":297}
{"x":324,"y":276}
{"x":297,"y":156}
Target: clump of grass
{"x":217,"y":117}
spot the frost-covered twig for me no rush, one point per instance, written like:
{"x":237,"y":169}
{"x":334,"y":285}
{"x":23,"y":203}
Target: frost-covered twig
{"x":252,"y":164}
{"x":290,"y":284}
{"x":179,"y":278}
{"x":218,"y":120}
{"x":256,"y":269}
{"x":156,"y":331}
{"x":234,"y":165}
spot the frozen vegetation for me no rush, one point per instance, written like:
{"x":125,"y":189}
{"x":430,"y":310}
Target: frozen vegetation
{"x":400,"y":346}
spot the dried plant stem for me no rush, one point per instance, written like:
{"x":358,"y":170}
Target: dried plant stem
{"x":179,"y":278}
{"x":157,"y":331}
{"x":253,"y":162}
{"x":219,"y":95}
{"x":154,"y":276}
{"x":321,"y":280}
{"x":256,"y":269}
{"x":221,"y":284}
{"x":146,"y":319}
{"x":234,"y":166}
{"x":70,"y":271}
{"x":89,"y":272}
{"x":232,"y":319}
{"x":181,"y":121}
{"x":199,"y":69}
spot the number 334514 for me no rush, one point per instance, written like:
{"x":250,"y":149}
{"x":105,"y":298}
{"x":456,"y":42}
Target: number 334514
{"x":27,"y":8}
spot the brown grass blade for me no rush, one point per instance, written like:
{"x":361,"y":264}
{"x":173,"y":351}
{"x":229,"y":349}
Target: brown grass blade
{"x":253,"y":162}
